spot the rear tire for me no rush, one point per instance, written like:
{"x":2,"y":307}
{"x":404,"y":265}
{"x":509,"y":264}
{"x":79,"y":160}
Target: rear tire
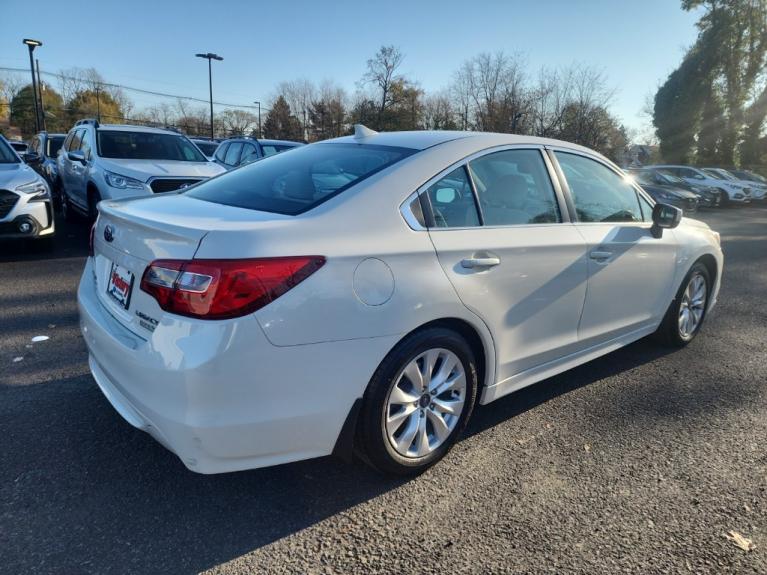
{"x":94,"y":197}
{"x":687,"y":311}
{"x":418,"y":402}
{"x":66,"y":207}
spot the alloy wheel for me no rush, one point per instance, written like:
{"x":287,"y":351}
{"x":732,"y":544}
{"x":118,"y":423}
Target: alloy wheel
{"x":693,"y":306}
{"x":425,"y":403}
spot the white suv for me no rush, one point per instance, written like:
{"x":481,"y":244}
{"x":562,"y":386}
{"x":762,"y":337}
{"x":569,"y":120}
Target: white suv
{"x":736,"y":192}
{"x":100,"y":162}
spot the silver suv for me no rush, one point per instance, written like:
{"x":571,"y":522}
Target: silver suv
{"x":103,"y":161}
{"x":25,"y":199}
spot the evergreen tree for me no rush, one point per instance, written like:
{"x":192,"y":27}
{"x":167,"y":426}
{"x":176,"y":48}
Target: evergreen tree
{"x":280,"y":123}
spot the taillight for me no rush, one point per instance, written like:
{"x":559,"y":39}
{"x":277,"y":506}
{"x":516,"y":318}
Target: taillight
{"x":90,"y":240}
{"x":221,"y":289}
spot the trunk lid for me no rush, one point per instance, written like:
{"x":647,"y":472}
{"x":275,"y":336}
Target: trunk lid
{"x":130,"y":234}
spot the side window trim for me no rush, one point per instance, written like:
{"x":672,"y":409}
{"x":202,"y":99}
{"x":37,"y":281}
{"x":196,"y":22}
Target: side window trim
{"x":566,"y":188}
{"x":551,"y":167}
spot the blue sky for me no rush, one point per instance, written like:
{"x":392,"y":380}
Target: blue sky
{"x":151,"y":45}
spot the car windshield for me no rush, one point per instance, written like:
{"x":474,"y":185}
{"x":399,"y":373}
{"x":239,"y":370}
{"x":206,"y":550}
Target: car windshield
{"x":147,"y":146}
{"x":671,"y":178}
{"x":714,"y":174}
{"x":54,"y":145}
{"x":727,"y":175}
{"x":293,"y":183}
{"x":208,"y":148}
{"x":7,"y":155}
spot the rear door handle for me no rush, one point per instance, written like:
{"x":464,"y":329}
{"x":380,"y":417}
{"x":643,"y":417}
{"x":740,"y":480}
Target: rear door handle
{"x":600,"y":255}
{"x":487,"y":262}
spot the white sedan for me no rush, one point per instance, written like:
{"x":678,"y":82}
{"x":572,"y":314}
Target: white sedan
{"x":361,"y":295}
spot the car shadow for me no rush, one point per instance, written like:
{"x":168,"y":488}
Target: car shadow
{"x":517,"y":403}
{"x":87,"y":492}
{"x":69,"y":241}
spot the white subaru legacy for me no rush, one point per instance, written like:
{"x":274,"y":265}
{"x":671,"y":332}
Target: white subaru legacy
{"x":362,"y":295}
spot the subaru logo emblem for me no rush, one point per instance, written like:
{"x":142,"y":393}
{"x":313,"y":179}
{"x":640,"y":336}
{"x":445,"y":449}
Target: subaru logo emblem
{"x":183,"y":186}
{"x":109,"y":233}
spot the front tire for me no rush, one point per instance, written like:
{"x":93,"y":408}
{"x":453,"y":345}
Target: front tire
{"x":418,"y":402}
{"x":686,"y":313}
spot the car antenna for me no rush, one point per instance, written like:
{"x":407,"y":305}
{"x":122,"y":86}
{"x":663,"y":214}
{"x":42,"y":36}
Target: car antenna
{"x":361,"y":132}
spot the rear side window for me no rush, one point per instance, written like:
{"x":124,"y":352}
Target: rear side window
{"x":514,"y":188}
{"x":599,"y":194}
{"x":54,"y":145}
{"x":293,"y":183}
{"x":452,"y":201}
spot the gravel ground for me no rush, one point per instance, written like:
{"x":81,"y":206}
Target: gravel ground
{"x":639,"y":462}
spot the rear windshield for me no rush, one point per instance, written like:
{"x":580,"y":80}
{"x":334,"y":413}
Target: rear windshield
{"x":7,"y":156}
{"x":296,"y":182}
{"x":147,"y":146}
{"x":54,"y":145}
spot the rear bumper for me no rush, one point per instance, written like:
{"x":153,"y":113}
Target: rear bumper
{"x":218,"y":394}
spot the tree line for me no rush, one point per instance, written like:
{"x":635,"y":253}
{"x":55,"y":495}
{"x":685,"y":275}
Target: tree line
{"x":488,"y":92}
{"x":712,"y":108}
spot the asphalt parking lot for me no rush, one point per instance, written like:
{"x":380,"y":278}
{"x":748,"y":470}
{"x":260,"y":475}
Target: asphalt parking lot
{"x":639,"y":462}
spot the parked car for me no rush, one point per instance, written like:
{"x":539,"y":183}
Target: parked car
{"x":280,"y":312}
{"x":25,"y":199}
{"x":42,"y":156}
{"x":108,"y":161}
{"x":707,"y":196}
{"x":207,"y":146}
{"x":758,"y":189}
{"x":236,"y":152}
{"x":733,"y":192}
{"x":20,"y":147}
{"x":665,"y":193}
{"x":749,"y":176}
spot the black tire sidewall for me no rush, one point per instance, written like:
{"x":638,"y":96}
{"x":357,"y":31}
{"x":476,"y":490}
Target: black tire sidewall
{"x":671,"y":323}
{"x":371,"y":428}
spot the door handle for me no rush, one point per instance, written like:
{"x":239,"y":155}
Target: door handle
{"x":486,"y":262}
{"x":600,"y":255}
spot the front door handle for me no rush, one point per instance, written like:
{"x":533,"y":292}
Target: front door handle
{"x":600,"y":255}
{"x":487,"y":262}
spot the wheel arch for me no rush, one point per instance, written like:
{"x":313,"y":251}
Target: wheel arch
{"x":484,"y":355}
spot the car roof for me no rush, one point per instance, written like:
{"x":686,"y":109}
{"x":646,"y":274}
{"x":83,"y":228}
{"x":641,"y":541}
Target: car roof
{"x":420,"y":140}
{"x":130,"y":128}
{"x":280,"y":142}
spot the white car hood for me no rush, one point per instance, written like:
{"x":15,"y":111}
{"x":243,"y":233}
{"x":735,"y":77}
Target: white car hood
{"x":145,"y":169}
{"x":14,"y":175}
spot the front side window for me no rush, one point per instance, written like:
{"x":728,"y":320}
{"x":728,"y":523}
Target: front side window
{"x":452,"y":201}
{"x":514,"y":188}
{"x":233,"y":154}
{"x":77,"y":140}
{"x":221,"y":151}
{"x":54,"y":145}
{"x":147,"y":146}
{"x":86,"y":145}
{"x":599,"y":194}
{"x":293,"y":183}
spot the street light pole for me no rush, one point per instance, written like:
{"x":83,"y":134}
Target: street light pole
{"x":40,"y":90}
{"x":259,"y":118}
{"x":209,"y":56}
{"x":32,"y":44}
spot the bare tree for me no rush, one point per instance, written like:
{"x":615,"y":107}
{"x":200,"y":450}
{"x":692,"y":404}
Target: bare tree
{"x":381,"y":73}
{"x":298,"y":94}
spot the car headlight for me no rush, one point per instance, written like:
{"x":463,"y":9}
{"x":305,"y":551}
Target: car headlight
{"x":122,"y":182}
{"x":38,"y":190}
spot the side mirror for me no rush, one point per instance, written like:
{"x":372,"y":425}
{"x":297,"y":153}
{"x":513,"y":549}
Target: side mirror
{"x":664,"y":216}
{"x":76,"y":156}
{"x":31,"y":157}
